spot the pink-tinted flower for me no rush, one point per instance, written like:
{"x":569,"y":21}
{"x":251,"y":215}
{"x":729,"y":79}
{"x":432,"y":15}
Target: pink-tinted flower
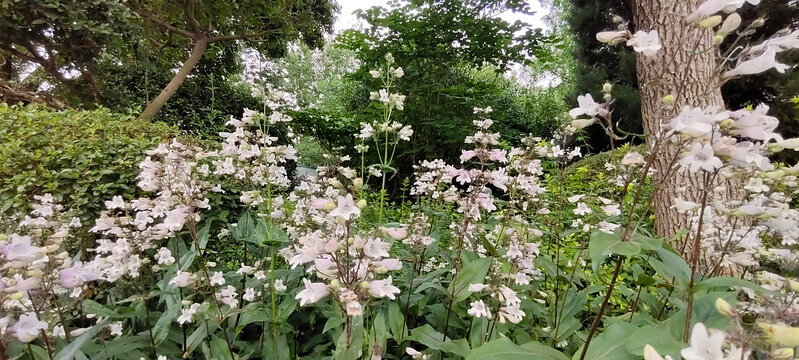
{"x":28,"y":327}
{"x":312,"y":293}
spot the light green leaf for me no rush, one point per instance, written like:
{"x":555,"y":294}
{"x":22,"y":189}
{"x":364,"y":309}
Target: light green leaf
{"x":471,"y":273}
{"x":610,"y":344}
{"x":504,"y":349}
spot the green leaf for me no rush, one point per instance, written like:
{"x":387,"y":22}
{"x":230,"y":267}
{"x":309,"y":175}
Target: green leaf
{"x":603,"y":244}
{"x":396,"y":322}
{"x":504,"y":349}
{"x":471,"y":273}
{"x":674,"y":267}
{"x":69,"y":352}
{"x":646,"y":242}
{"x":433,"y":339}
{"x":610,"y":344}
{"x":728,"y":282}
{"x":220,"y":350}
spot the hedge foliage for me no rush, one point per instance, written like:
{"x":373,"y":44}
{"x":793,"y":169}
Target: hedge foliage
{"x":80,"y":157}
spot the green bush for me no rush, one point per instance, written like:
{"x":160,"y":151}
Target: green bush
{"x":80,"y":157}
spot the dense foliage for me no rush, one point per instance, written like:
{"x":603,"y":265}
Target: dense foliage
{"x":80,"y":157}
{"x":451,"y":213}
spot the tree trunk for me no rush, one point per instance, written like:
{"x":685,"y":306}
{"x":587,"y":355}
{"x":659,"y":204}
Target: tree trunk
{"x":684,"y":68}
{"x":196,"y":54}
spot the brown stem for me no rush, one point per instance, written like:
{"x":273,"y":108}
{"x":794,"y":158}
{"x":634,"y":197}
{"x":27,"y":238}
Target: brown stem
{"x":598,"y":318}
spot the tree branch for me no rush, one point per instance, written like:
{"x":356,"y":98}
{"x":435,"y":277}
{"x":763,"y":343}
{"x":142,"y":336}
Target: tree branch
{"x":147,"y":15}
{"x":188,"y":10}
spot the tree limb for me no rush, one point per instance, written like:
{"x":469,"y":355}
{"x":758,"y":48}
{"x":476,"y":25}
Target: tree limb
{"x":162,"y":23}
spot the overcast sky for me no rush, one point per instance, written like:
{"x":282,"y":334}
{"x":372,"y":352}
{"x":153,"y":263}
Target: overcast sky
{"x":346,"y":19}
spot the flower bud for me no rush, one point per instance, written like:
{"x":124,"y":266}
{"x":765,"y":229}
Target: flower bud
{"x":210,"y":264}
{"x":724,"y":308}
{"x":668,"y":99}
{"x":710,"y":22}
{"x":731,"y":23}
{"x":794,"y":285}
{"x":607,"y":87}
{"x":607,"y":97}
{"x":335,"y":183}
{"x":611,"y":37}
{"x":782,"y":354}
{"x":775,"y":175}
{"x":15,"y":296}
{"x":617,"y":19}
{"x":330,"y":206}
{"x":63,"y":255}
{"x":718,"y":39}
{"x":582,"y":123}
{"x":357,"y":183}
{"x":37,"y":273}
{"x":361,"y":204}
{"x":365,"y":284}
{"x":759,"y":22}
{"x":726,"y":123}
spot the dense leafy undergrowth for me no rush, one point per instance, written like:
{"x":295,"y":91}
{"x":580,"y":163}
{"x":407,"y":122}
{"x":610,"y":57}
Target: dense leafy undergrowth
{"x":511,"y":251}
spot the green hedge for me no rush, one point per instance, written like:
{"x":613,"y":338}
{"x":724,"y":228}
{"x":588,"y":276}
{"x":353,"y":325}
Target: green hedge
{"x":81,"y":157}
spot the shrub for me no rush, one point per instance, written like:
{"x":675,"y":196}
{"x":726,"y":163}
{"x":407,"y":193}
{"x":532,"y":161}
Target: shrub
{"x":80,"y":157}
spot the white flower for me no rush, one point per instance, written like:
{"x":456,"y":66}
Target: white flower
{"x":187,"y":315}
{"x":651,"y":354}
{"x":312,"y":293}
{"x":346,"y":209}
{"x":376,"y":248}
{"x":587,"y":106}
{"x":711,"y":7}
{"x":20,"y":249}
{"x":575,"y":198}
{"x":383,"y":288}
{"x":611,"y":210}
{"x":582,"y":209}
{"x":701,"y":157}
{"x":477,"y":287}
{"x":510,"y":313}
{"x":217,"y":278}
{"x":354,"y":308}
{"x":28,"y":327}
{"x":164,"y":257}
{"x":695,"y":122}
{"x":183,"y":279}
{"x":115,"y":328}
{"x":633,"y":158}
{"x":366,"y":131}
{"x":116,"y":203}
{"x":759,"y":64}
{"x":405,"y":133}
{"x":250,"y":294}
{"x":479,"y":309}
{"x":756,"y":185}
{"x":279,"y":287}
{"x":398,"y":73}
{"x":647,"y":43}
{"x":376,"y":73}
{"x":703,"y":345}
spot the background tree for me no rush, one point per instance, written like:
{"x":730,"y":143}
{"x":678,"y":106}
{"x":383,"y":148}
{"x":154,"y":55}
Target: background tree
{"x":599,"y":63}
{"x":453,"y":54}
{"x":60,"y":38}
{"x":266,"y":26}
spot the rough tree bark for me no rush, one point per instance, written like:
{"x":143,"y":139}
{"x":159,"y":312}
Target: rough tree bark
{"x":684,"y":68}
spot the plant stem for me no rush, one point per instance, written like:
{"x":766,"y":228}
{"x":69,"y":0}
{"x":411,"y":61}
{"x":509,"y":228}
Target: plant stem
{"x":598,"y":318}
